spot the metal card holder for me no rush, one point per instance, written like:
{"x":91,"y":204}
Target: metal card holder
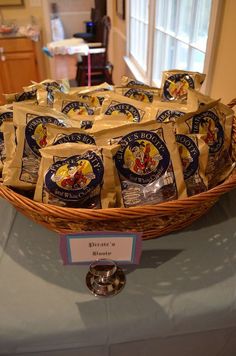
{"x":105,"y":278}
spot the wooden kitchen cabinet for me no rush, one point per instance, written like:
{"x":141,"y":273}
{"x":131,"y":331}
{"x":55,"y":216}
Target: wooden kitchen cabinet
{"x":18,"y":64}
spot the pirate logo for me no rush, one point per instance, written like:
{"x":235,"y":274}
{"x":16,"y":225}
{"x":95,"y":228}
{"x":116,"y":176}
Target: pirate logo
{"x":143,"y":157}
{"x":75,"y":137}
{"x":176,"y":86}
{"x":169,"y":115}
{"x":78,"y":108}
{"x":130,"y":111}
{"x":75,"y":177}
{"x":189,"y":155}
{"x":208,"y":124}
{"x":140,"y":95}
{"x":135,"y":83}
{"x":26,"y":95}
{"x":36,"y":132}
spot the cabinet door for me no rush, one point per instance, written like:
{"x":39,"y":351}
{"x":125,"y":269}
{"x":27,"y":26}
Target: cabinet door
{"x":17,"y":70}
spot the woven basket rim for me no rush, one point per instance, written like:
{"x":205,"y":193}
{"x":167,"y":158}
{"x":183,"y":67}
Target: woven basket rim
{"x":142,"y":210}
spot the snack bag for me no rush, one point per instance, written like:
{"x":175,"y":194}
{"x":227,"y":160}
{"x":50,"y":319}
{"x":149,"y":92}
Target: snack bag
{"x":172,"y":111}
{"x":31,"y":135}
{"x":72,"y":105}
{"x":9,"y":135}
{"x":131,"y":82}
{"x":134,"y":110}
{"x":22,"y":96}
{"x":103,"y":122}
{"x":77,"y":176}
{"x":90,"y":90}
{"x":175,"y":84}
{"x":214,"y":122}
{"x":57,"y":135}
{"x":194,"y":157}
{"x":6,"y":113}
{"x":46,"y":89}
{"x":138,"y":93}
{"x":148,"y":163}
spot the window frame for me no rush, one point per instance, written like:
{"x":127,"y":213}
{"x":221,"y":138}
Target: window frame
{"x":213,"y":35}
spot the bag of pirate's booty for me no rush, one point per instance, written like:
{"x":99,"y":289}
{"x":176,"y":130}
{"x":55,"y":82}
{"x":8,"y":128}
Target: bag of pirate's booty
{"x":31,"y":135}
{"x":131,"y":82}
{"x":138,"y":93}
{"x":77,"y":176}
{"x":6,"y":114}
{"x":214,"y":122}
{"x":72,"y":105}
{"x":194,"y":157}
{"x":175,"y":84}
{"x":135,"y":111}
{"x":148,"y":163}
{"x":9,"y":136}
{"x":46,"y":90}
{"x":57,"y":135}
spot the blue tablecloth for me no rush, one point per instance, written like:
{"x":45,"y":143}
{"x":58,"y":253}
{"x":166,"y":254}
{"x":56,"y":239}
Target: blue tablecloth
{"x":180,"y":300}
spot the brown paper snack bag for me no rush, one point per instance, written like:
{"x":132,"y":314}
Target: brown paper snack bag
{"x":77,"y":175}
{"x":194,"y":157}
{"x":148,"y":163}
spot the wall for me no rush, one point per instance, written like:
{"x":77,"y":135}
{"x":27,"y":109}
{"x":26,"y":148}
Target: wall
{"x":73,"y":14}
{"x":224,"y":69}
{"x":117,"y":43}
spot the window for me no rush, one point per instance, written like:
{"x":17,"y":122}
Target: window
{"x":167,"y":34}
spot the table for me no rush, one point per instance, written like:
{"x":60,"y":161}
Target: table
{"x":72,"y":46}
{"x":181,"y":299}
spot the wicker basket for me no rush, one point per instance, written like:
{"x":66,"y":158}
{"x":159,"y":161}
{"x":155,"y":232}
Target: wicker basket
{"x":152,"y":220}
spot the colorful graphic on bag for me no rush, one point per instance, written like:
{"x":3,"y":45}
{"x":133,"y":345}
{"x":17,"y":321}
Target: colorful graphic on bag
{"x":208,"y":123}
{"x":36,"y":132}
{"x":139,"y":95}
{"x":51,"y":87}
{"x":189,"y":154}
{"x":144,"y":168}
{"x":77,"y":107}
{"x":75,"y":178}
{"x":132,"y":113}
{"x":29,"y":95}
{"x":4,"y":116}
{"x":176,"y":86}
{"x":75,"y":137}
{"x":132,"y":83}
{"x":93,"y":100}
{"x":169,"y":115}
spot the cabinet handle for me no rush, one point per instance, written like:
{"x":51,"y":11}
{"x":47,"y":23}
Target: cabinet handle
{"x":2,"y":56}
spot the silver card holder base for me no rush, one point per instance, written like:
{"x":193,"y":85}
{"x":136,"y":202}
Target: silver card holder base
{"x":105,"y":278}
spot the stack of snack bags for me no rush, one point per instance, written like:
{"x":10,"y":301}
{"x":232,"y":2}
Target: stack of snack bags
{"x":115,"y":146}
